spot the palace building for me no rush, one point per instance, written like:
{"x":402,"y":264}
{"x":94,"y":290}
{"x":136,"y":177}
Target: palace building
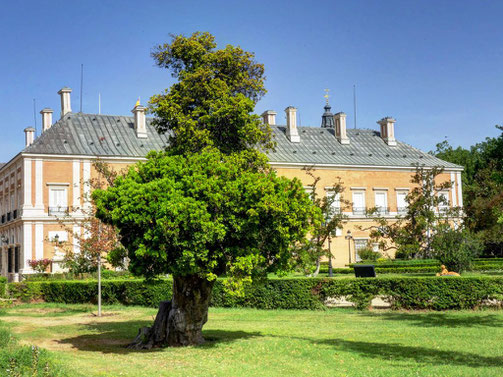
{"x":50,"y":177}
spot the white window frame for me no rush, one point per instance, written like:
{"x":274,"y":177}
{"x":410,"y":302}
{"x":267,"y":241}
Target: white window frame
{"x":61,"y":208}
{"x":384,"y":210}
{"x":401,"y":191}
{"x":359,"y":211}
{"x":444,"y":207}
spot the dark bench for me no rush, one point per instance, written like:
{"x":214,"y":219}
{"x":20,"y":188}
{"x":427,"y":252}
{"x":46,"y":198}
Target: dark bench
{"x":364,"y":271}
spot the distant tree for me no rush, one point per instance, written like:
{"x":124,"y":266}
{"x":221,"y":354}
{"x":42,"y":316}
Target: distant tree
{"x":95,"y":239}
{"x":482,"y":188}
{"x":209,"y":205}
{"x":427,"y":211}
{"x":330,"y":205}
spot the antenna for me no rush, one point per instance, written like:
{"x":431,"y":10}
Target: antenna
{"x":81,"y":84}
{"x":35,"y":115}
{"x":99,"y":103}
{"x":354,"y":102}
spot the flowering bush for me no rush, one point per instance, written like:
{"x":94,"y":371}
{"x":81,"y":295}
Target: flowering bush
{"x":40,"y":265}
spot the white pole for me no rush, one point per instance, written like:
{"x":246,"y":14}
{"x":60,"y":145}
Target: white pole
{"x":99,"y":274}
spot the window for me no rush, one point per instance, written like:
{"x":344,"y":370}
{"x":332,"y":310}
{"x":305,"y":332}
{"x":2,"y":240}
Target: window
{"x":401,"y":203}
{"x":381,"y":202}
{"x":443,"y":204}
{"x":359,"y":203}
{"x":335,"y":199}
{"x":58,"y":201}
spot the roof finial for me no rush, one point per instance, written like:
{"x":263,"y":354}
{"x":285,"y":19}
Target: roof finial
{"x":137,"y":102}
{"x":327,"y":95}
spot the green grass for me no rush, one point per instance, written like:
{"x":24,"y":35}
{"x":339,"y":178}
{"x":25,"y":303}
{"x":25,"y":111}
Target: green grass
{"x":247,"y":342}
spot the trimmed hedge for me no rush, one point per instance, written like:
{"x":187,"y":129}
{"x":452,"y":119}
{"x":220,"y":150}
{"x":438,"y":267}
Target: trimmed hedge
{"x":3,"y":282}
{"x":437,"y":293}
{"x":379,"y":270}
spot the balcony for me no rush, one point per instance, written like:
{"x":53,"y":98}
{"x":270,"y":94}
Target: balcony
{"x":58,"y":211}
{"x":382,"y":211}
{"x":359,"y":211}
{"x":402,"y":210}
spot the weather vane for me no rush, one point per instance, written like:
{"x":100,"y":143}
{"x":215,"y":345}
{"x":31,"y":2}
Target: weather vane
{"x":327,"y":95}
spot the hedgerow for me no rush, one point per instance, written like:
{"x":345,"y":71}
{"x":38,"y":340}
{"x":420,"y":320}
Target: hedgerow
{"x":3,"y":282}
{"x":436,"y":293}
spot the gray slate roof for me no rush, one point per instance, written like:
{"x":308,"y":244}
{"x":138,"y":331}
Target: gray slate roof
{"x":108,"y":135}
{"x":320,"y":146}
{"x":96,"y":135}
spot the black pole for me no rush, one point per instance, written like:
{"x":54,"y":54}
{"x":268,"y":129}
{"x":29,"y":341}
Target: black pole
{"x":330,"y":272}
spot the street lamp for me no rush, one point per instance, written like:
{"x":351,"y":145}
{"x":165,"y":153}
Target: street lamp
{"x":349,"y":237}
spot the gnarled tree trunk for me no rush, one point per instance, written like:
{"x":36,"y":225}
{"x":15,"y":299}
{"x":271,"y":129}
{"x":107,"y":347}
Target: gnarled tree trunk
{"x":179,"y":322}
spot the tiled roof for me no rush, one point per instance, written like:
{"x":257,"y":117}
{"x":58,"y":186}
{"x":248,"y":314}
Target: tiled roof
{"x":108,"y":135}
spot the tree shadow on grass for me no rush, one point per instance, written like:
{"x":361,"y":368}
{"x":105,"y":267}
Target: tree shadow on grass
{"x":421,"y":355}
{"x":447,"y":320}
{"x":113,"y":337}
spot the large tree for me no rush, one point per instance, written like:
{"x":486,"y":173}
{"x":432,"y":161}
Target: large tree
{"x":209,"y":205}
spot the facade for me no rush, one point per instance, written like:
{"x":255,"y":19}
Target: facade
{"x":49,"y":179}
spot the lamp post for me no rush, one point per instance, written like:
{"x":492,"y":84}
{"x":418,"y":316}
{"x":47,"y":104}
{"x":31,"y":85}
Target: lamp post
{"x":349,"y":237}
{"x":330,"y":272}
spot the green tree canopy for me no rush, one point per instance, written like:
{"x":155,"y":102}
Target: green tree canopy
{"x":206,"y":214}
{"x":212,"y":102}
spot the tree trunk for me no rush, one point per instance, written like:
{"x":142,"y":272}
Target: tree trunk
{"x":179,"y":322}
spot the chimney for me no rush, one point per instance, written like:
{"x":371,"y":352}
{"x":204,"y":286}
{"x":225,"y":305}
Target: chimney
{"x":340,"y":128}
{"x":139,"y":121}
{"x":388,"y":130}
{"x":291,"y":124}
{"x":29,"y":136}
{"x":46,"y":118}
{"x":269,"y":117}
{"x":66,"y":106}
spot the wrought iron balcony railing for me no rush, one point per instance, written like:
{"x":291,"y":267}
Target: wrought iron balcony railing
{"x":361,"y":211}
{"x":58,"y":211}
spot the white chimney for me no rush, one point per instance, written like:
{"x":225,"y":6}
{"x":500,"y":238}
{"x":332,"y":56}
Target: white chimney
{"x":140,"y":125}
{"x":29,"y":136}
{"x":388,"y":130}
{"x":66,"y":106}
{"x":46,"y":118}
{"x":340,"y":128}
{"x":269,"y":117}
{"x":291,"y":124}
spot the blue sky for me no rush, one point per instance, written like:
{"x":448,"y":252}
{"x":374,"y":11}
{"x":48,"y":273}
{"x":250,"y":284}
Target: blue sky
{"x":436,"y":66}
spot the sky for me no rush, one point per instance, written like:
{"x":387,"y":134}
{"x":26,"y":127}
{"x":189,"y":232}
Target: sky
{"x":435,"y":66}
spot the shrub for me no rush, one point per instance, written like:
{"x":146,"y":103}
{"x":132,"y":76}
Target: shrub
{"x":368,"y":254}
{"x":455,"y":249}
{"x":39,"y":265}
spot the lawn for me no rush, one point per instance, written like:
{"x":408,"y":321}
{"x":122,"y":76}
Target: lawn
{"x":248,"y":342}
